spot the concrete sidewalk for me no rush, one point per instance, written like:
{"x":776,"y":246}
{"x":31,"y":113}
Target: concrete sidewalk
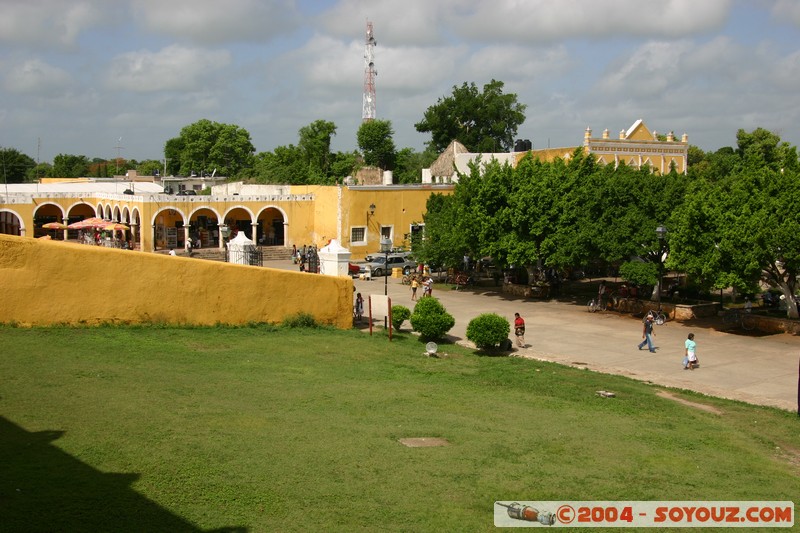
{"x":761,"y":370}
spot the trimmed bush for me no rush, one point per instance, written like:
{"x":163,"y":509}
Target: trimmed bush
{"x":400,"y":314}
{"x":430,"y":319}
{"x":488,"y":331}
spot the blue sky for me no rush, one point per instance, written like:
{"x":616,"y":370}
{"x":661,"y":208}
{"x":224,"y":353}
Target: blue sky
{"x":78,"y":75}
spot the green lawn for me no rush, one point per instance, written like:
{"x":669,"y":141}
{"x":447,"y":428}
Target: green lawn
{"x":271,"y":429}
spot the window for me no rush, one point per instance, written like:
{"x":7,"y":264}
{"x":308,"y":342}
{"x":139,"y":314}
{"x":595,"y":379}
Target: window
{"x":358,"y":235}
{"x":386,"y":232}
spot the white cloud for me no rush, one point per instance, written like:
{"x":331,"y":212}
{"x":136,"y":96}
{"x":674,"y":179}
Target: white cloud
{"x":546,"y":20}
{"x":174,"y":68}
{"x":47,"y":22}
{"x":35,"y":77}
{"x":217,"y":21}
{"x":422,"y":22}
{"x":784,"y":10}
{"x":649,"y":71}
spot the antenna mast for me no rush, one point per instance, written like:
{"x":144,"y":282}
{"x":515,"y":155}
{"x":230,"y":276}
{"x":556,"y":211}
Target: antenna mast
{"x":368,"y":108}
{"x":118,"y":147}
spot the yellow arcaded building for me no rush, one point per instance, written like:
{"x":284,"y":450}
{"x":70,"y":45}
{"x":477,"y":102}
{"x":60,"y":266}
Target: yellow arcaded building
{"x":635,"y":147}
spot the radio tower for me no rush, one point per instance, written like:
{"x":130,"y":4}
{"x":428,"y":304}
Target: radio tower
{"x":368,"y":108}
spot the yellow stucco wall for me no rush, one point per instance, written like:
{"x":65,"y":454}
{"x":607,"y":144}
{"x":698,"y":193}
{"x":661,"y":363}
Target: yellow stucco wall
{"x":397,"y":208}
{"x":48,"y":282}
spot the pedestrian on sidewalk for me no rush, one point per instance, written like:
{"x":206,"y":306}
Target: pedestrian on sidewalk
{"x":647,"y":333}
{"x":519,"y":330}
{"x":414,"y":286}
{"x":690,"y":356}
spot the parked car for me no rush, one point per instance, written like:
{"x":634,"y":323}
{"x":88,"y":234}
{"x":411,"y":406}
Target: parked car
{"x":380,"y":266}
{"x":353,"y":269}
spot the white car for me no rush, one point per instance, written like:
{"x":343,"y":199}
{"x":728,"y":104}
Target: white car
{"x":380,"y":266}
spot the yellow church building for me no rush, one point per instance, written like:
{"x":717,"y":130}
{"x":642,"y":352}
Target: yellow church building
{"x":635,"y":147}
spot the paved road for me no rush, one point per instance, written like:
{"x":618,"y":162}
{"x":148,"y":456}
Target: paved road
{"x":761,"y":370}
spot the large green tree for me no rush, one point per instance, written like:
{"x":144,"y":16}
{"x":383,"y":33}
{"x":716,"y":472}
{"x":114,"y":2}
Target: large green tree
{"x":483,"y":121}
{"x":742,"y":228}
{"x":315,"y":147}
{"x":70,"y":166}
{"x":206,"y":146}
{"x":409,"y":164}
{"x":16,"y":166}
{"x":376,"y":143}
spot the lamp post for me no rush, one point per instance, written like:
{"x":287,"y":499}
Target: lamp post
{"x":386,"y":246}
{"x":661,"y":233}
{"x":224,"y":231}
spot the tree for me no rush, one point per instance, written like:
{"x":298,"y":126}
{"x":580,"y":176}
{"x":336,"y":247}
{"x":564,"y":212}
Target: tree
{"x":16,"y":165}
{"x":409,"y":164}
{"x":441,"y":245}
{"x":284,"y":165}
{"x":375,"y":141}
{"x":315,"y":147}
{"x":70,"y":166}
{"x":150,"y":167}
{"x":482,"y":121}
{"x":206,"y":145}
{"x":742,"y":228}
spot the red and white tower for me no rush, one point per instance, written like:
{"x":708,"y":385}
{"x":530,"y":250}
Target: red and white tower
{"x":368,"y":102}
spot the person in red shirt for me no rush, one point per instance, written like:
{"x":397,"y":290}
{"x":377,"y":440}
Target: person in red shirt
{"x":519,"y":330}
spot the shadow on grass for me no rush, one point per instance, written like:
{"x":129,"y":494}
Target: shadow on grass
{"x":43,"y":488}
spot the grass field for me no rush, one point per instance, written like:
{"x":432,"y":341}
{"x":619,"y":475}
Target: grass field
{"x":273,"y":429}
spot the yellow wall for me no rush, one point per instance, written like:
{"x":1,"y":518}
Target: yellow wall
{"x":396,"y":207}
{"x":48,"y":282}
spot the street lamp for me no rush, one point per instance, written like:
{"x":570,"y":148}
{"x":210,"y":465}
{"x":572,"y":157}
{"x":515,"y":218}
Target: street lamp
{"x":386,"y":246}
{"x":661,"y":233}
{"x":224,"y":231}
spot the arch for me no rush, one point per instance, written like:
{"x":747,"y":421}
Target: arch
{"x":116,"y":214}
{"x":167,"y":226}
{"x":125,"y":217}
{"x":70,"y":208}
{"x":239,"y":218}
{"x":44,"y":213}
{"x":204,"y":226}
{"x":11,"y":223}
{"x":271,"y":222}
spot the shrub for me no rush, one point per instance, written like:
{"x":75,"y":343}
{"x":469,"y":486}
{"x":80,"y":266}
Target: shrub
{"x":430,"y":319}
{"x":400,"y":314}
{"x":488,"y":331}
{"x":639,"y":273}
{"x":300,"y":320}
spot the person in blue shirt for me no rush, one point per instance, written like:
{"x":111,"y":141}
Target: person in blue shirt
{"x":690,"y":356}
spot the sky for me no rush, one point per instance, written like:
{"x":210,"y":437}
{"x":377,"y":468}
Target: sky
{"x":108,"y":78}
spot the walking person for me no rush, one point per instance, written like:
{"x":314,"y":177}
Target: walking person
{"x":414,"y":286}
{"x":519,"y":330}
{"x":647,"y":333}
{"x":690,"y":355}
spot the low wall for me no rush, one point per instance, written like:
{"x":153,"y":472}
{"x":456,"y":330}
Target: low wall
{"x":52,"y":282}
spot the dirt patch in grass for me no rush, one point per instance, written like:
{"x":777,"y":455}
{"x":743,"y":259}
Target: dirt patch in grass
{"x":790,"y":455}
{"x":701,"y":406}
{"x":423,"y":442}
